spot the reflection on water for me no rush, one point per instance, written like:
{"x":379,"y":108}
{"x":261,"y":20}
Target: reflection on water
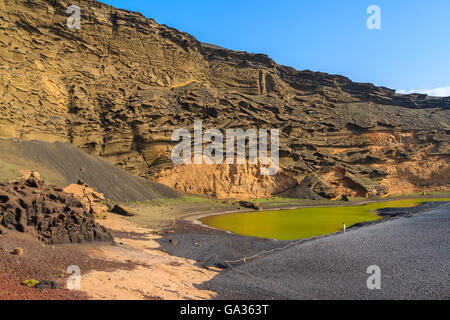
{"x":302,"y":223}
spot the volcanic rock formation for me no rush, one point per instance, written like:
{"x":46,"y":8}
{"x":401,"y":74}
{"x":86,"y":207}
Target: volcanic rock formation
{"x":91,"y":199}
{"x":121,"y":84}
{"x":48,"y":213}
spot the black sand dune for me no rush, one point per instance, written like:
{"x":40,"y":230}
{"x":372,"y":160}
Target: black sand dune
{"x":64,"y":164}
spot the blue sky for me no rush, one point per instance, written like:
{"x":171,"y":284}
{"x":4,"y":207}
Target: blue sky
{"x":411,"y":52}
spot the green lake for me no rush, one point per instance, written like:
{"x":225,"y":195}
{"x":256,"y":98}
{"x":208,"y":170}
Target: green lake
{"x":304,"y":222}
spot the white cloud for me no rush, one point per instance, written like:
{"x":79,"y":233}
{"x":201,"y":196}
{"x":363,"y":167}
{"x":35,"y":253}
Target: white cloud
{"x":436,"y":92}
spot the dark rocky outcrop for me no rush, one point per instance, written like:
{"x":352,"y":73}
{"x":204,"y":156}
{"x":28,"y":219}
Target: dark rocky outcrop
{"x":46,"y":284}
{"x":250,"y":205}
{"x":123,"y":211}
{"x":53,"y":216}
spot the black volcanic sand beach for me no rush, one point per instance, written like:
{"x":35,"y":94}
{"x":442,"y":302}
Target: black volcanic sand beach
{"x":411,"y":249}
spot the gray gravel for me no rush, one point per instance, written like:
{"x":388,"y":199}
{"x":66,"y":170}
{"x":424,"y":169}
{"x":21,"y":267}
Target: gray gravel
{"x":412,"y":252}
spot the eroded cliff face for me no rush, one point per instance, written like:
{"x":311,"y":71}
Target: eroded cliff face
{"x":120,"y":85}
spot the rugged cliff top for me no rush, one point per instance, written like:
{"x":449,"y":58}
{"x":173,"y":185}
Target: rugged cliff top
{"x":120,"y":85}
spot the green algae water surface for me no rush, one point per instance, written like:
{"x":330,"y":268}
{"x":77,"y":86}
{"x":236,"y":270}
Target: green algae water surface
{"x":304,"y":222}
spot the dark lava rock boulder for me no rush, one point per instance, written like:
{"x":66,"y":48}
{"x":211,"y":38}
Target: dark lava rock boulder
{"x":45,"y":284}
{"x":250,"y":205}
{"x":123,"y":211}
{"x":47,"y":212}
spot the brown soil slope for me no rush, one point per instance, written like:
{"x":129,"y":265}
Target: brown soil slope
{"x":120,"y":85}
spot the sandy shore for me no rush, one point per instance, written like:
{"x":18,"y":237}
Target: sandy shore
{"x":156,"y":276}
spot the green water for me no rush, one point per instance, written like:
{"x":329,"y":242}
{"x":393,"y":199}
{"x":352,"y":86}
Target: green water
{"x":304,"y":222}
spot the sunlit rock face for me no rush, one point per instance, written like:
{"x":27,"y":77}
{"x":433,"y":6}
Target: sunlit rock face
{"x":121,"y":84}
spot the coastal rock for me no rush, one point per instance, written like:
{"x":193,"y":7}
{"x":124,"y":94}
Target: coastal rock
{"x":48,"y":213}
{"x":45,"y":284}
{"x":366,"y":185}
{"x":91,"y":199}
{"x":318,"y":186}
{"x":123,"y":211}
{"x":250,"y":205}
